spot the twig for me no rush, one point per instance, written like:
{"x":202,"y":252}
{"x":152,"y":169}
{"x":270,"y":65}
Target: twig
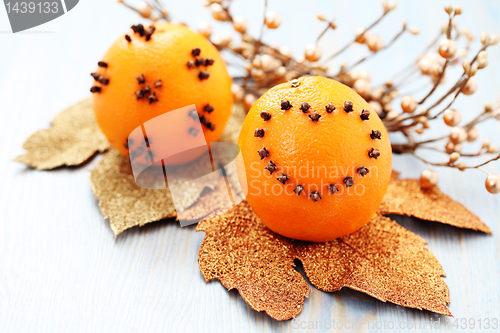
{"x":324,"y":31}
{"x":436,"y":84}
{"x":451,"y":165}
{"x":354,"y":41}
{"x":257,"y":46}
{"x":348,"y":68}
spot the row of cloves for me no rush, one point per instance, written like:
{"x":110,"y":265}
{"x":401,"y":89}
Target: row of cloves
{"x":315,"y":196}
{"x":146,"y":90}
{"x":204,"y":120}
{"x":198,"y":62}
{"x":140,"y":150}
{"x":99,"y":78}
{"x":142,"y":32}
{"x":305,"y":107}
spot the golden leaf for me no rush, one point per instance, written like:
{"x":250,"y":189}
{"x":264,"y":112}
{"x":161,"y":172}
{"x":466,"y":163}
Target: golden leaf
{"x":123,"y":202}
{"x":73,"y":139}
{"x":405,"y":197}
{"x":243,"y":254}
{"x":382,"y":259}
{"x":206,"y":203}
{"x":127,"y":205}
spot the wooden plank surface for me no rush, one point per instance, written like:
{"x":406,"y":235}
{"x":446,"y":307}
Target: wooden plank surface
{"x":61,"y":268}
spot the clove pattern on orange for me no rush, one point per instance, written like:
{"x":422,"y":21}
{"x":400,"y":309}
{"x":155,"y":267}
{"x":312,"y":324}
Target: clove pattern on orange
{"x":156,"y":69}
{"x":317,"y":159}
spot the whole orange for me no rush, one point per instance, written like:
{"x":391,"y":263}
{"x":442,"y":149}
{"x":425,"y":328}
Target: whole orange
{"x":317,"y":159}
{"x":151,"y":70}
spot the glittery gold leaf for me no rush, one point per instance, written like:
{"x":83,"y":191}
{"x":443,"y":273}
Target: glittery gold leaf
{"x":382,"y":259}
{"x":190,"y":190}
{"x":73,"y":138}
{"x":127,"y":205}
{"x":405,"y":197}
{"x":123,"y":202}
{"x":194,"y":189}
{"x":244,"y":255}
{"x":207,"y":201}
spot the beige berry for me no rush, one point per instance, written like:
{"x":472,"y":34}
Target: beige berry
{"x":492,"y":149}
{"x":258,"y":74}
{"x":374,"y":43}
{"x":493,"y":183}
{"x":484,"y":38}
{"x":272,"y":20}
{"x":280,"y":72}
{"x":452,"y":117}
{"x":205,"y":29}
{"x":448,"y":8}
{"x":321,"y":17}
{"x":472,"y":70}
{"x":428,"y":179}
{"x":450,"y":147}
{"x":313,"y":52}
{"x":240,"y":24}
{"x":257,"y":62}
{"x":496,"y":114}
{"x":415,"y":31}
{"x":494,"y":39}
{"x":436,"y":70}
{"x":466,"y":66}
{"x":421,"y":119}
{"x":393,"y":116}
{"x":218,"y":12}
{"x":269,"y":62}
{"x":376,"y":107}
{"x":360,"y":75}
{"x":462,"y":166}
{"x":145,"y":10}
{"x":408,"y":104}
{"x":482,"y":63}
{"x":454,"y":157}
{"x":249,"y":101}
{"x":363,"y":87}
{"x":361,"y":35}
{"x":388,"y":6}
{"x":428,"y":61}
{"x":482,"y":55}
{"x":238,"y":92}
{"x":458,"y":135}
{"x":425,"y":65}
{"x":472,"y":134}
{"x":287,"y":52}
{"x":470,"y":87}
{"x":223,"y":40}
{"x":447,"y":48}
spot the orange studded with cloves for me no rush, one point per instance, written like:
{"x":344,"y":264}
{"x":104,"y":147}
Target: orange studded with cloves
{"x":317,"y":159}
{"x":154,"y":69}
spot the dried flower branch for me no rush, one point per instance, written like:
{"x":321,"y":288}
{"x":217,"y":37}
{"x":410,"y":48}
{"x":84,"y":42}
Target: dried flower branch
{"x":266,"y":65}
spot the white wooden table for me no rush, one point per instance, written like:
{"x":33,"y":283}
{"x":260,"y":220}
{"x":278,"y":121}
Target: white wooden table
{"x":61,"y":268}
